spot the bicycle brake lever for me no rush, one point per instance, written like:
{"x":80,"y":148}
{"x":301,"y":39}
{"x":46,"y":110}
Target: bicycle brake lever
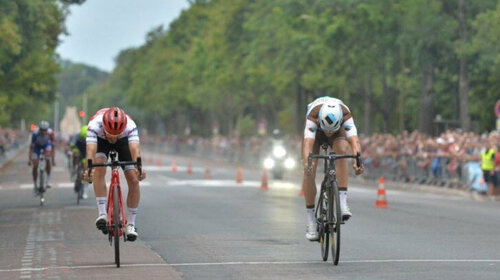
{"x":359,"y":162}
{"x":139,"y":165}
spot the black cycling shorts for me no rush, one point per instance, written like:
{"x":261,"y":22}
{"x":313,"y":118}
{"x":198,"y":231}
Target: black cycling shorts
{"x":121,"y":146}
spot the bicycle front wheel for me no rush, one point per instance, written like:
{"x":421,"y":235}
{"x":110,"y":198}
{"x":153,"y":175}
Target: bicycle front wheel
{"x":323,"y":228}
{"x":337,"y":221}
{"x":41,"y":187}
{"x":116,"y":225}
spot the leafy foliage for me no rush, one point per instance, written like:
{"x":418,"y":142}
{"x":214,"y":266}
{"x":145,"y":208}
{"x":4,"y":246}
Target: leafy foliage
{"x":29,"y":31}
{"x":236,"y":62}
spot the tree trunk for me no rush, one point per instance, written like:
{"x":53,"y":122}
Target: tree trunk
{"x":463,"y":78}
{"x":300,"y":108}
{"x":385,"y":100}
{"x":367,"y":125}
{"x":426,"y":107}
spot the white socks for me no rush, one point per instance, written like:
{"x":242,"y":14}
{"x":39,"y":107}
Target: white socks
{"x":132,"y":213}
{"x":310,"y":215}
{"x":102,"y":202}
{"x":343,"y":197}
{"x":48,"y":179}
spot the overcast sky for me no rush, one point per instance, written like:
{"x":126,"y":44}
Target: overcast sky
{"x":99,"y":29}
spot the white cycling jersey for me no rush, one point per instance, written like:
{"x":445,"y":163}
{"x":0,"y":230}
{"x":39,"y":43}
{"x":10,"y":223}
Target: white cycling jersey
{"x":96,"y":129}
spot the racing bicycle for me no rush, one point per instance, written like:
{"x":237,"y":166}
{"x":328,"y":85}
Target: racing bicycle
{"x":115,"y":208}
{"x":328,"y":215}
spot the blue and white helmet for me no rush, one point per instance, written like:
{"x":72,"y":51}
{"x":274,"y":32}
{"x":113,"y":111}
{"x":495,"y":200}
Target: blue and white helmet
{"x":330,"y":116}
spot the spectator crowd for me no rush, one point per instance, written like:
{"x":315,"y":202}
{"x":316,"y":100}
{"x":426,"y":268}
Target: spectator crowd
{"x":9,"y":140}
{"x":452,"y":159}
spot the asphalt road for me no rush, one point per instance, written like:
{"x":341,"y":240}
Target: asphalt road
{"x":194,"y":228}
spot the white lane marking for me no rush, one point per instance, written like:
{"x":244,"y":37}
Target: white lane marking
{"x":26,"y":186}
{"x":168,"y":178}
{"x":66,"y":185}
{"x":213,"y":183}
{"x":169,"y":168}
{"x":250,"y":263}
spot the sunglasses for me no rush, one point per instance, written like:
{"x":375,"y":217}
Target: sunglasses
{"x":109,"y":135}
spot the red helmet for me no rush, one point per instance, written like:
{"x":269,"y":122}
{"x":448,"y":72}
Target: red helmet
{"x":114,"y":120}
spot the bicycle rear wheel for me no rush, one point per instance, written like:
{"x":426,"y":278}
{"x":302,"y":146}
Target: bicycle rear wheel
{"x":337,"y":221}
{"x":116,"y":225}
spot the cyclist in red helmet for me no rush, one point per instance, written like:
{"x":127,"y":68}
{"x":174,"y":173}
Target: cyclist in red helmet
{"x":112,"y":129}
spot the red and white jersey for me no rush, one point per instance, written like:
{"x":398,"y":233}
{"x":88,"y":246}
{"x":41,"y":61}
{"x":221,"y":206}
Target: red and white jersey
{"x":96,"y":129}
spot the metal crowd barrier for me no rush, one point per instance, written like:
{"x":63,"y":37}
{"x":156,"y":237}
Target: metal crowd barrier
{"x":437,"y":171}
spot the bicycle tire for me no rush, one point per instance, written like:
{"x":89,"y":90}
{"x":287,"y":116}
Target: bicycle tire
{"x":41,"y":188}
{"x":116,"y":225}
{"x":338,"y":222}
{"x":323,"y":231}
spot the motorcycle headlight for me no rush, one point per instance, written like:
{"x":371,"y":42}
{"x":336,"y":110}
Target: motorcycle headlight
{"x":289,"y":163}
{"x":279,"y":152}
{"x":268,"y":163}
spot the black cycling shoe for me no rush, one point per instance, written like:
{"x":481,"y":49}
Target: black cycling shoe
{"x":102,"y":224}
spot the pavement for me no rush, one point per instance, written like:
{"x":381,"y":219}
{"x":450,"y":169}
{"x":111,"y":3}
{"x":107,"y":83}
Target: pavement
{"x":196,"y":228}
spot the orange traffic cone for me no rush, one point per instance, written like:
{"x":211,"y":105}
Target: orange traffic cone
{"x":301,"y":193}
{"x":207,"y":171}
{"x":381,"y":198}
{"x":174,"y":165}
{"x":189,"y":168}
{"x":159,"y":163}
{"x":263,"y":185}
{"x":239,"y":176}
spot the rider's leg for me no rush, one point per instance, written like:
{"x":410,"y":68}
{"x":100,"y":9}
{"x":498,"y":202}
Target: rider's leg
{"x":134,"y":194}
{"x":100,"y":185}
{"x":34,"y":172}
{"x":341,"y":146}
{"x":309,"y":187}
{"x":48,"y":167}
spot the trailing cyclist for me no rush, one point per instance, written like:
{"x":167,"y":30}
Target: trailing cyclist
{"x":42,"y":138}
{"x":328,"y":120}
{"x":111,"y":129}
{"x":79,"y":150}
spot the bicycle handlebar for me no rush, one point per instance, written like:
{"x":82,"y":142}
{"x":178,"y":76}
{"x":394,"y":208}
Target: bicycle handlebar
{"x":357,"y":156}
{"x":113,"y":164}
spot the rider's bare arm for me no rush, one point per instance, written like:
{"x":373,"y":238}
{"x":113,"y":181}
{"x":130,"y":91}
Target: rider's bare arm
{"x":354,"y":142}
{"x":356,"y":147}
{"x":30,"y":153}
{"x":91,"y":151}
{"x":308,"y":141}
{"x":134,"y":150}
{"x":307,"y":148}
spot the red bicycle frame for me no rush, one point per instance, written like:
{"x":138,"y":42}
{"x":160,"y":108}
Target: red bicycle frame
{"x":115,"y":183}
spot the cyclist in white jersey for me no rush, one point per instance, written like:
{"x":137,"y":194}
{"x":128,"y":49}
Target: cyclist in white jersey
{"x":328,"y":120}
{"x":112,"y":129}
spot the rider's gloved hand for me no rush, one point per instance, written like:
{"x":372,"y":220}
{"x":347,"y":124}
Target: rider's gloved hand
{"x":142,"y":176}
{"x":358,"y":170}
{"x":86,"y":175}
